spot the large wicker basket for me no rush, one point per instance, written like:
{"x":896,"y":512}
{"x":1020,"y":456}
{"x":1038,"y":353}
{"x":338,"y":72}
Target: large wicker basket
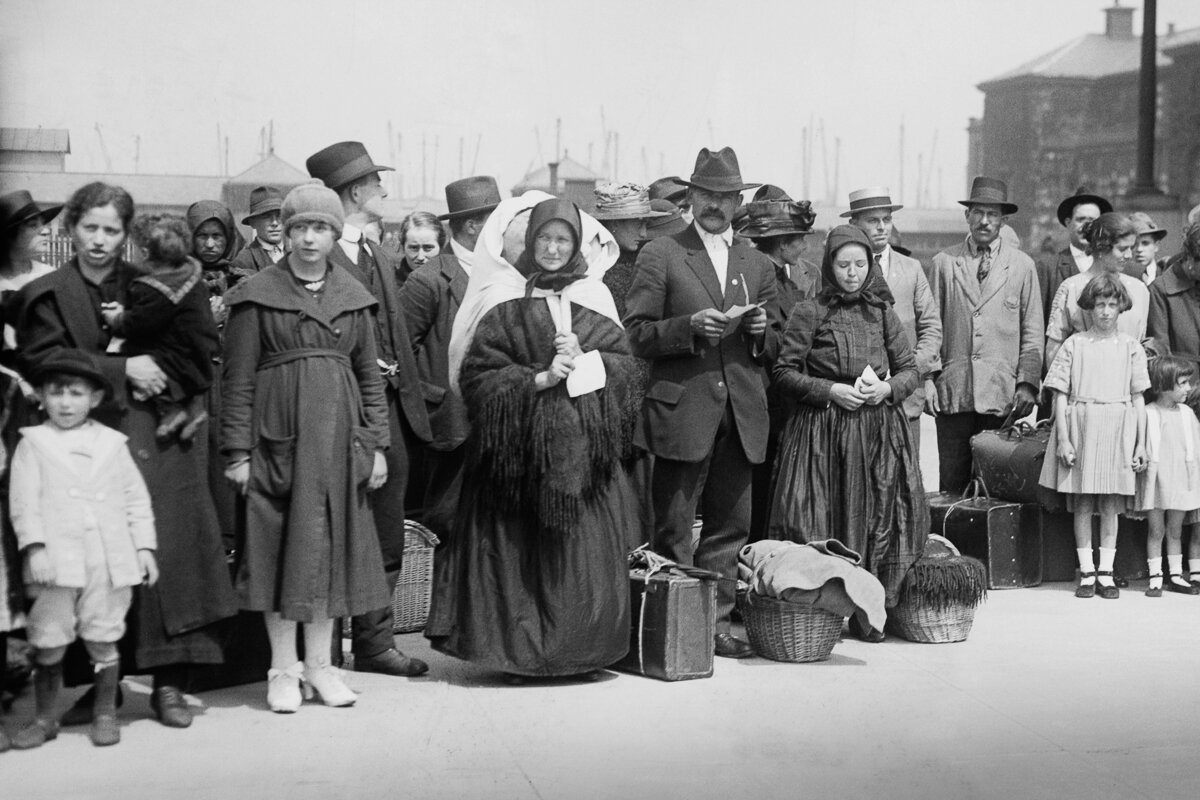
{"x":783,"y":631}
{"x":410,"y":601}
{"x":923,"y":623}
{"x":939,"y":595}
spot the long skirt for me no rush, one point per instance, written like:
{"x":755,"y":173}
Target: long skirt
{"x":852,"y":476}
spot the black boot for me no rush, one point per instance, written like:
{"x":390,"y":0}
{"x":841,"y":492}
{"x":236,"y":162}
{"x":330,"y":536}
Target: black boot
{"x":104,"y":711}
{"x":47,"y":681}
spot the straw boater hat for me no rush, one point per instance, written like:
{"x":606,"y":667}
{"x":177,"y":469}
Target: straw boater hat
{"x":1081,"y":196}
{"x":471,"y":197}
{"x":616,"y":201}
{"x":718,"y":172}
{"x":989,"y":191}
{"x":342,"y":163}
{"x":263,"y":200}
{"x":869,"y":199}
{"x":18,"y":208}
{"x":1143,"y":225}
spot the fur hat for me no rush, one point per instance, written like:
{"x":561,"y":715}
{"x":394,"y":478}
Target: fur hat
{"x":312,"y":202}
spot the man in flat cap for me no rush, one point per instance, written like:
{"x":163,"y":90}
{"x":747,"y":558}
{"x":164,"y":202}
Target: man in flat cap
{"x":992,"y":333}
{"x":346,"y":168}
{"x":267,"y":247}
{"x":429,"y":300}
{"x":871,"y":212}
{"x":1073,"y":213}
{"x":704,"y":417}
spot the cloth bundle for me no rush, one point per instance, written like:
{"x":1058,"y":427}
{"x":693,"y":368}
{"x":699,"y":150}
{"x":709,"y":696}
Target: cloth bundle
{"x":825,"y":574}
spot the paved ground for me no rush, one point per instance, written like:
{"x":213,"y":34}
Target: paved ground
{"x":1051,"y":697}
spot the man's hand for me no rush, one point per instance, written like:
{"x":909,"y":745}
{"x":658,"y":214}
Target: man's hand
{"x":379,"y":472}
{"x":755,"y":321}
{"x":1024,"y":400}
{"x":239,"y":475}
{"x":709,"y":323}
{"x":933,"y":406}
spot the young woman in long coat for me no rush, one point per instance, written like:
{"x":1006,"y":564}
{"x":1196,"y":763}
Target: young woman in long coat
{"x":303,"y":427}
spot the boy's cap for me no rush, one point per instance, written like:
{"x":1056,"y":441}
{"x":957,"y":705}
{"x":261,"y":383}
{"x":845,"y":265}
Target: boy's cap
{"x":71,"y":361}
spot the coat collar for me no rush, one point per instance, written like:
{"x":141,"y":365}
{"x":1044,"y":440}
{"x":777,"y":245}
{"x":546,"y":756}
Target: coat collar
{"x":52,"y":445}
{"x":698,"y":261}
{"x":275,"y":287}
{"x":1172,"y":281}
{"x":456,"y":277}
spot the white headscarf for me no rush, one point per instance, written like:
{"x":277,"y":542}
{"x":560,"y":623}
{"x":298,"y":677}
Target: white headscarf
{"x":494,"y":281}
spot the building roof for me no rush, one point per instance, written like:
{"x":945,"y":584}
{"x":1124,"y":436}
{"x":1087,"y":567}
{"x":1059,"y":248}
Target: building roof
{"x":1092,"y":55}
{"x":271,"y":171}
{"x":568,"y":170}
{"x":1182,"y":39}
{"x":38,"y":140}
{"x":150,"y":190}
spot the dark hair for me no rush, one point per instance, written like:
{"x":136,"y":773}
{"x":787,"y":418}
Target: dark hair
{"x":1102,"y":287}
{"x":1191,"y":241}
{"x":422,"y":219}
{"x":344,"y":190}
{"x":458,"y":223}
{"x":1165,"y":372}
{"x":47,"y":379}
{"x":97,"y":195}
{"x":1104,"y":231}
{"x":165,"y":237}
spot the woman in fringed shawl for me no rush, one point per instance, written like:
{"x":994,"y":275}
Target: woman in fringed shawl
{"x":534,"y":581}
{"x":846,"y":469}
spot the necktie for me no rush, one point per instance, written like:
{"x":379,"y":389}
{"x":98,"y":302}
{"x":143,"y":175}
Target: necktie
{"x":985,"y":265}
{"x":879,"y":263}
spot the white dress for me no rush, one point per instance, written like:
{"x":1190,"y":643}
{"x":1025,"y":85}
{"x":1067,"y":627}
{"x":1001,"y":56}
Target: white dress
{"x":1172,"y":478}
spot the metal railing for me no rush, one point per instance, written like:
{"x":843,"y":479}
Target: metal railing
{"x":60,"y":249}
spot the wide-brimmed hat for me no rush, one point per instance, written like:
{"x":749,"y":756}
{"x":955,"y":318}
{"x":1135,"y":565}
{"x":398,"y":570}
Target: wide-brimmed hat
{"x":767,"y":218}
{"x":341,"y":163}
{"x":1081,"y":196}
{"x":18,"y":207}
{"x":263,"y":200}
{"x":718,"y":172}
{"x":470,"y":197}
{"x":616,"y":201}
{"x":669,"y":188}
{"x":989,"y":191}
{"x":72,"y":361}
{"x":670,"y":223}
{"x":1143,"y":225}
{"x":869,"y":199}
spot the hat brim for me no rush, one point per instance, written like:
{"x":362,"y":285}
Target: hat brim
{"x":246,"y":219}
{"x":38,"y":375}
{"x":45,"y":215}
{"x":1005,"y":208}
{"x":1064,"y":208}
{"x":770,"y":233}
{"x":849,"y":214}
{"x":1158,"y":234}
{"x":469,"y":212}
{"x":618,"y":215}
{"x":356,"y":174}
{"x":733,"y":187}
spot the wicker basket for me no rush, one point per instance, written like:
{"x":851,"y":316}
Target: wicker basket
{"x":783,"y":631}
{"x":922,"y":623}
{"x":410,"y":601}
{"x":939,"y":595}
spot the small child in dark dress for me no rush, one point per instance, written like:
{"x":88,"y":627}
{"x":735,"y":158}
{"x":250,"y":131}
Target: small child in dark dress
{"x":169,"y":319}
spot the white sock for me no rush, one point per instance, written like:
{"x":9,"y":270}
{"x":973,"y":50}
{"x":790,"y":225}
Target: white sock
{"x":1107,"y":556}
{"x":1175,"y":563}
{"x":1194,"y":568}
{"x":1087,"y":567}
{"x":1155,"y":565}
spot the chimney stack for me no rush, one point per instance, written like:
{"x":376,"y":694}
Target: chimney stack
{"x":1118,"y":21}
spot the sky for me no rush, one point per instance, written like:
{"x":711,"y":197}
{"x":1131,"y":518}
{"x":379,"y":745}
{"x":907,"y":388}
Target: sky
{"x":491,"y":79}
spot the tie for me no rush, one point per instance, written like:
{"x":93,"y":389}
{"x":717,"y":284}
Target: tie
{"x":879,"y":263}
{"x":985,"y":265}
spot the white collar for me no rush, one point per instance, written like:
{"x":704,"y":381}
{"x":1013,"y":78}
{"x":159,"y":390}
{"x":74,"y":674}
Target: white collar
{"x":710,"y":239}
{"x":351,"y":233}
{"x":1078,"y":254}
{"x":465,"y":257}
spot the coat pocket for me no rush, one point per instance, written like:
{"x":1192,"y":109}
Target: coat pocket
{"x":432,"y":393}
{"x":271,"y":464}
{"x":362,"y":454}
{"x":665,"y":392}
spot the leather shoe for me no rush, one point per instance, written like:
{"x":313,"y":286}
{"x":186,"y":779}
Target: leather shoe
{"x":81,"y":712}
{"x":1183,"y":587}
{"x":728,"y":646}
{"x":391,"y":662}
{"x":170,"y":707}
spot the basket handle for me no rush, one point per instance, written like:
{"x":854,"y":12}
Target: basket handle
{"x":937,"y":538}
{"x":429,"y":536}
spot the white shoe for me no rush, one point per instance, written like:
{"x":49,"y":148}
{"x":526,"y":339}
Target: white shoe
{"x":283,"y":689}
{"x":326,"y":681}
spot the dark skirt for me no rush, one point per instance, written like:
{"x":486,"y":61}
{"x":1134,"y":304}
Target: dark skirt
{"x":514,"y":599}
{"x":852,"y":476}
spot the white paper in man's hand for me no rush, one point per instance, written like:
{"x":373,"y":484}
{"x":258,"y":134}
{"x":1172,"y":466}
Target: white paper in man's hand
{"x":588,"y":375}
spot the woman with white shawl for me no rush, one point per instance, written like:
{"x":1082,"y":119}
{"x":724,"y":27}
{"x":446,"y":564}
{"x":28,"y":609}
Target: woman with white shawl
{"x":534,"y":580}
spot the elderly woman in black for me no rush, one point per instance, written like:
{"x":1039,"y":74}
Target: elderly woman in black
{"x":846,"y":468}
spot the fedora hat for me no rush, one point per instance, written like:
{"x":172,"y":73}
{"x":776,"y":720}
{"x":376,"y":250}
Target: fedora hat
{"x":869,"y":199}
{"x":1081,"y":196}
{"x":989,"y":191}
{"x":718,"y":172}
{"x":767,"y":218}
{"x":616,"y":201}
{"x":1143,"y":225}
{"x":471,"y":197}
{"x":263,"y":200}
{"x":72,"y":361}
{"x":670,"y":223}
{"x":18,"y":208}
{"x":669,"y":188}
{"x":341,"y":163}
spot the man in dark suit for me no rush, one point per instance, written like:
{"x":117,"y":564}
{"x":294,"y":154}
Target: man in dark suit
{"x":267,"y":247}
{"x":1073,"y":213}
{"x":346,"y":168}
{"x":429,"y":300}
{"x":704,"y":417}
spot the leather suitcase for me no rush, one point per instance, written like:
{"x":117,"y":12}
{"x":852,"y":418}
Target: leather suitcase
{"x":673,"y":622}
{"x":1009,"y":461}
{"x":1005,"y":536}
{"x":1060,"y":563}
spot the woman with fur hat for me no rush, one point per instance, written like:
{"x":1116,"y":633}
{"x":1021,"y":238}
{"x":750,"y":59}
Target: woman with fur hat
{"x":534,"y":582}
{"x":303,"y":430}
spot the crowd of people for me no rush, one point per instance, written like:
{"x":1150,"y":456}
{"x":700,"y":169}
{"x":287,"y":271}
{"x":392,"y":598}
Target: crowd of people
{"x":218,"y":427}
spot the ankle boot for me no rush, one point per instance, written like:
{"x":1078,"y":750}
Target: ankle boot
{"x":47,"y":681}
{"x":104,"y":718}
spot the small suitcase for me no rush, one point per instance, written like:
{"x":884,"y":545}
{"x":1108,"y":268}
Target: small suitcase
{"x":673,"y":622}
{"x":1060,"y":562}
{"x":1006,"y":537}
{"x":1009,"y":460}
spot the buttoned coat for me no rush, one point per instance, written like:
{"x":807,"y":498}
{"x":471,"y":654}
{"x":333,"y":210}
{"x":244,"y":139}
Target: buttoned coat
{"x":920,"y":316}
{"x":691,"y":379}
{"x":55,"y":506}
{"x":1051,"y":272}
{"x":251,"y":260}
{"x":992,"y":335}
{"x":429,"y":300}
{"x":1174,"y":320}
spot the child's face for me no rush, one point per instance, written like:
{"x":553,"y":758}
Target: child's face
{"x":1183,"y":387}
{"x":68,"y":402}
{"x":1105,"y":313}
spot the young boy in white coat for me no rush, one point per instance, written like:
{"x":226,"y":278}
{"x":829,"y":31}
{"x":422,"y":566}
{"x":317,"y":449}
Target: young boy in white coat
{"x":85,"y":527}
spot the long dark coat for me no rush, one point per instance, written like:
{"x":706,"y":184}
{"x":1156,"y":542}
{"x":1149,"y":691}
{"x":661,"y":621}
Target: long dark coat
{"x":303,"y":396}
{"x":172,"y":620}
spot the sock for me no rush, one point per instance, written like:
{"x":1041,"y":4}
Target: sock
{"x":1155,"y":565}
{"x":1194,"y":568}
{"x":1087,"y":567}
{"x":1175,"y":563}
{"x":1107,"y":556}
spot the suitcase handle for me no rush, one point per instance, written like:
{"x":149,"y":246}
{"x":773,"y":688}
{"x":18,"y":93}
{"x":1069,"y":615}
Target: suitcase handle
{"x":970,"y":494}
